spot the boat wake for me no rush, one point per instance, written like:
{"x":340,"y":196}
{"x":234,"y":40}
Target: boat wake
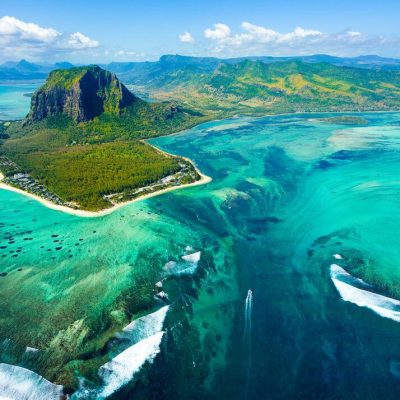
{"x":248,"y":309}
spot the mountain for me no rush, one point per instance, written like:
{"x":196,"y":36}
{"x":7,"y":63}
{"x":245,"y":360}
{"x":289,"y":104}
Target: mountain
{"x":158,"y":72}
{"x":80,"y":145}
{"x":366,"y":61}
{"x":81,"y":94}
{"x":256,"y":87}
{"x":63,"y":65}
{"x":139,"y":73}
{"x":24,"y":70}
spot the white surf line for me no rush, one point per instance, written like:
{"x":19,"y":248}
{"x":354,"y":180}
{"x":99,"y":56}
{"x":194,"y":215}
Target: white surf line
{"x":384,"y":306}
{"x":143,"y":337}
{"x":121,"y":369}
{"x":341,"y":274}
{"x":144,"y":327}
{"x":21,"y":383}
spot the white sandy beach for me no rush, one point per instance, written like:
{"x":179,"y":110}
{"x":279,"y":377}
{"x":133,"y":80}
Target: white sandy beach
{"x":82,"y":213}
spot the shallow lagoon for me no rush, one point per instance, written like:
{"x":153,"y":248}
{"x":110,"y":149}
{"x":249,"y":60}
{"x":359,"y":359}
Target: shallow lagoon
{"x":288,"y":193}
{"x":15,"y":100}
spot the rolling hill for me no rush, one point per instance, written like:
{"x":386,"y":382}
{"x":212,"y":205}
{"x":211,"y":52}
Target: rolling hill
{"x":256,"y":88}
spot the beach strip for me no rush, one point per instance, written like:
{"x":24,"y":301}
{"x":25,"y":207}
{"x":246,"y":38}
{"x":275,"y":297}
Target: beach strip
{"x":93,"y":214}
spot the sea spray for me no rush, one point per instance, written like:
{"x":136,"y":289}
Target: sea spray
{"x":248,"y":309}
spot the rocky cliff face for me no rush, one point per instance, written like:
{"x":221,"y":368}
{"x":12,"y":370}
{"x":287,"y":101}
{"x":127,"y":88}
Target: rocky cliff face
{"x":80,"y":93}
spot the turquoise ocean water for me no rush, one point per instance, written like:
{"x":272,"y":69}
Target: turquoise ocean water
{"x":15,"y":100}
{"x":305,"y":214}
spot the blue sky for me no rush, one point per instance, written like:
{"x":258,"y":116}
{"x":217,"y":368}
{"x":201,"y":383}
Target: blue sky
{"x":101,"y":31}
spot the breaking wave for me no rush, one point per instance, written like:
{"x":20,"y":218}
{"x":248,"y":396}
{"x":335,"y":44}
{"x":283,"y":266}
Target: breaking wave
{"x":143,"y":336}
{"x":143,"y":327}
{"x":17,"y":383}
{"x":355,"y":291}
{"x":187,"y":267}
{"x":122,"y":368}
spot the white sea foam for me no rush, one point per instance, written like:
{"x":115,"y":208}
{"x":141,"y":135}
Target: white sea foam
{"x":230,"y":126}
{"x":169,"y":265}
{"x":188,"y":267}
{"x":384,"y":306}
{"x":31,"y":349}
{"x":144,"y":327}
{"x":192,"y":258}
{"x":340,"y":273}
{"x":122,"y":369}
{"x":19,"y":383}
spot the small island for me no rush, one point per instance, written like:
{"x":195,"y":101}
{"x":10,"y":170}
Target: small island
{"x":345,"y":120}
{"x":81,"y":146}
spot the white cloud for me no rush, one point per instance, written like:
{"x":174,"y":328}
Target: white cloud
{"x":352,"y":33}
{"x":20,"y":39}
{"x":15,"y":28}
{"x":186,"y":37}
{"x":256,"y":34}
{"x":78,"y":40}
{"x":220,"y":32}
{"x":127,"y":55}
{"x":260,"y":40}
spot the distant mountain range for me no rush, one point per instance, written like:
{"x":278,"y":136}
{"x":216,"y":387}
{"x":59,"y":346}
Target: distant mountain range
{"x":136,"y":72}
{"x":26,"y":71}
{"x":257,"y":87}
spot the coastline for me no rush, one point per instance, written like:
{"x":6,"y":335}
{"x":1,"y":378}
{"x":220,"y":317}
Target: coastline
{"x":94,"y":214}
{"x":256,"y":117}
{"x":204,"y":179}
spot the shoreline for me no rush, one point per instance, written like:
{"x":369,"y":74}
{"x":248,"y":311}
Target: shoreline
{"x":94,"y":214}
{"x":255,"y":117}
{"x":204,"y":179}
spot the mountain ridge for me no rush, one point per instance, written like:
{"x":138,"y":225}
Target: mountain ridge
{"x":10,"y":71}
{"x":258,"y":88}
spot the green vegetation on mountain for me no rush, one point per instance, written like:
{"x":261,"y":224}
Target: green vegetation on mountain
{"x":81,"y":93}
{"x":256,"y":87}
{"x":82,"y":139}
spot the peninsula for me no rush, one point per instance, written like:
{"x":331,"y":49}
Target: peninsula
{"x":81,"y":150}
